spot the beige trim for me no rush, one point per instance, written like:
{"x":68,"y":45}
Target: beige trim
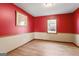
{"x":76,"y":40}
{"x":64,"y":37}
{"x":11,"y":42}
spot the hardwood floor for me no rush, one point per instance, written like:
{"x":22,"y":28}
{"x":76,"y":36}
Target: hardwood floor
{"x":46,"y":48}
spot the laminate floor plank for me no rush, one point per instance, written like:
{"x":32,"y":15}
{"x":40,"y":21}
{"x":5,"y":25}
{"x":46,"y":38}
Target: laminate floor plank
{"x":46,"y":48}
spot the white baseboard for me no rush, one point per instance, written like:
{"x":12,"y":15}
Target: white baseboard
{"x":11,"y":42}
{"x":76,"y":40}
{"x":64,"y":37}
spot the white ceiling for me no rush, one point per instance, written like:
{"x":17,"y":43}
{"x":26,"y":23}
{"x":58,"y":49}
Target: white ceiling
{"x":38,"y":9}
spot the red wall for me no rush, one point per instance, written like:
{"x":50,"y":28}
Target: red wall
{"x":64,"y":23}
{"x":76,"y":21}
{"x":7,"y":20}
